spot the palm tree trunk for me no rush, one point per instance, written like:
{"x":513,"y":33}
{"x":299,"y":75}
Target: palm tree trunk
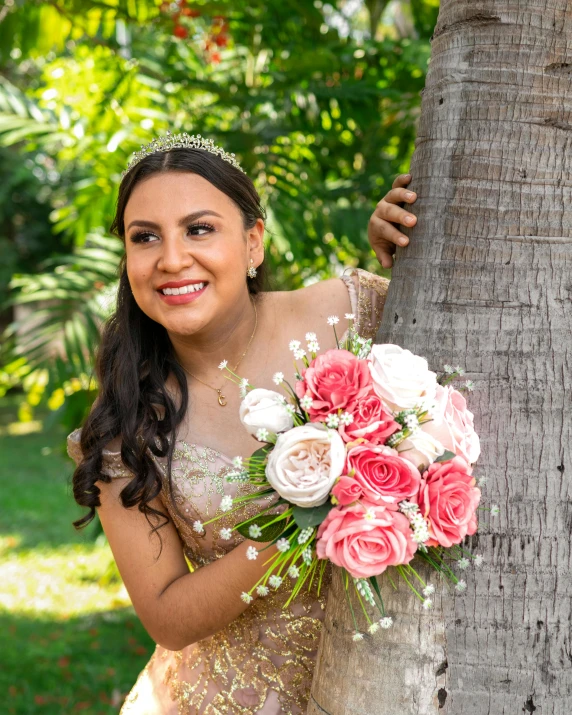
{"x":487,"y":284}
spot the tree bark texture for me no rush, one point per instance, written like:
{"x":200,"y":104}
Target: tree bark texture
{"x":486,"y":284}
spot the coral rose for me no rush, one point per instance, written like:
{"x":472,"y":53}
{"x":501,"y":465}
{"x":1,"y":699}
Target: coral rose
{"x":453,"y":424}
{"x":335,"y":380}
{"x":347,"y":490}
{"x":371,"y":421}
{"x":448,"y":499}
{"x":305,"y":463}
{"x":365,"y":539}
{"x":383,"y":475}
{"x":400,"y":378}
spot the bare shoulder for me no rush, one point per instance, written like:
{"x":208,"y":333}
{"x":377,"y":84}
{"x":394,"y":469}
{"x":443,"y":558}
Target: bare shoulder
{"x":308,"y":308}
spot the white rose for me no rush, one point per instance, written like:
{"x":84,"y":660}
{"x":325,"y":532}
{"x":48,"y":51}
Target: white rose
{"x":452,"y":424}
{"x":401,"y":379}
{"x":420,"y":448}
{"x":305,"y":463}
{"x":263,"y":408}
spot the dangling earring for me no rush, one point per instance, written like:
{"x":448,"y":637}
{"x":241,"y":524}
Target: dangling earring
{"x":251,"y":272}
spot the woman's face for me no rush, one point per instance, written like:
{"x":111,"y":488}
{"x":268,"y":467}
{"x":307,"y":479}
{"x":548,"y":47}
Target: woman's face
{"x":188,"y":252}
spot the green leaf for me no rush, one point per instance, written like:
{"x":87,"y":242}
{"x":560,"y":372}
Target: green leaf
{"x":312,"y":516}
{"x":269,"y":533}
{"x":446,"y":456}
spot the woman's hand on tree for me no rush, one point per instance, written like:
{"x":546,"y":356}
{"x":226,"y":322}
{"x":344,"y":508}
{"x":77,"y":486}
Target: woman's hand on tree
{"x":385,"y":225}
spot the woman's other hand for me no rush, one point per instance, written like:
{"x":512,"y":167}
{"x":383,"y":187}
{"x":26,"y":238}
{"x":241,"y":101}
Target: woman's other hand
{"x":384,"y":228}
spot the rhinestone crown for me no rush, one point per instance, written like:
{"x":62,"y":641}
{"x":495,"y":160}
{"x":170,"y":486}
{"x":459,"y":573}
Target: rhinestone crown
{"x":176,"y":141}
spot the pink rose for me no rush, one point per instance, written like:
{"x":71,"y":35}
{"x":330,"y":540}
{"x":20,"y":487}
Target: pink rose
{"x":371,"y":421}
{"x":453,"y":424}
{"x":448,"y":499}
{"x":365,"y":539}
{"x":347,"y":490}
{"x":383,"y":475}
{"x":335,"y":380}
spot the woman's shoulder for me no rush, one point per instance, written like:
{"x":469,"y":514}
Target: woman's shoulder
{"x":356,"y":291}
{"x":112,"y":466}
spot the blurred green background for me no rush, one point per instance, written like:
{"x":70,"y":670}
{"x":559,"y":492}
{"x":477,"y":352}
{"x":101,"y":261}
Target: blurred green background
{"x":318,"y":100}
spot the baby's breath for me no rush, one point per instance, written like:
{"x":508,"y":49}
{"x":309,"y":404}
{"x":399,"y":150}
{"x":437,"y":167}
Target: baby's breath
{"x":278,"y":378}
{"x":479,"y":560}
{"x":333,"y":421}
{"x":226,"y":503}
{"x":223,"y":364}
{"x":429,"y":590}
{"x":349,"y":316}
{"x":427,"y":604}
{"x":226,"y":534}
{"x":251,"y":553}
{"x":294,"y":345}
{"x":275,"y":581}
{"x":246,"y":597}
{"x":357,"y":636}
{"x":461,"y":586}
{"x":346,"y":418}
{"x":262,"y":434}
{"x":495,"y":510}
{"x":198,"y":527}
{"x":283,"y":545}
{"x":254,"y":531}
{"x":333,"y":320}
{"x":311,"y":336}
{"x":299,"y":354}
{"x":463,"y":563}
{"x":305,"y":534}
{"x":262,"y":590}
{"x":373,"y":627}
{"x":386,"y":622}
{"x":306,"y":402}
{"x":293,"y":571}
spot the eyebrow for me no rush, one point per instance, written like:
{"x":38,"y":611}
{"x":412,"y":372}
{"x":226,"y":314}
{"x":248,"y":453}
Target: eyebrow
{"x":182,"y":222}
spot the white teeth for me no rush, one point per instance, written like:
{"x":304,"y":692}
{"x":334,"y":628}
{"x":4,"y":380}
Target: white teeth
{"x":191,"y":288}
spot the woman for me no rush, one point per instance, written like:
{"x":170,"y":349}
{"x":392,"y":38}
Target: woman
{"x":153,"y":454}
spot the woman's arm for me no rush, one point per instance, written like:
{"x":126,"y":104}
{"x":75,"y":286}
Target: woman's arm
{"x":176,"y":607}
{"x":383,"y":229}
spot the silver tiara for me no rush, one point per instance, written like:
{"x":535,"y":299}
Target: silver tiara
{"x":176,"y":141}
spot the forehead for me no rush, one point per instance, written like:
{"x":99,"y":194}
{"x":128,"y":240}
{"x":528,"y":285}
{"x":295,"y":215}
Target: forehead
{"x":174,"y":193}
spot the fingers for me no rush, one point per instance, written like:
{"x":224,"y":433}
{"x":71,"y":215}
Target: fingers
{"x":401,"y":180}
{"x":383,"y":237}
{"x":394,"y":214}
{"x":398,"y":196}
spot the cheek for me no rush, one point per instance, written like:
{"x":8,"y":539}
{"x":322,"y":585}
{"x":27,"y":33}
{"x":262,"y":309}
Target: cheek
{"x":139,"y":274}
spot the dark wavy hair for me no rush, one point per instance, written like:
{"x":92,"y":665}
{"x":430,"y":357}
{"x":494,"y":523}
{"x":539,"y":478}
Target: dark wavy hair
{"x":136,"y":357}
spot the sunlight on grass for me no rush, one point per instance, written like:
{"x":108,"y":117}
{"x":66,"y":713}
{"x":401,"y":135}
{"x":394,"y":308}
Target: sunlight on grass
{"x":20,"y":428}
{"x":60,"y":583}
{"x":69,"y":638}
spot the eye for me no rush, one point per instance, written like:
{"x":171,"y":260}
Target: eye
{"x":143,"y":237}
{"x":200,"y":229}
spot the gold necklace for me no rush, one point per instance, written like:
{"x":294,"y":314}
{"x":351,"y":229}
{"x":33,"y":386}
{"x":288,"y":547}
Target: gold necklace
{"x":221,"y":397}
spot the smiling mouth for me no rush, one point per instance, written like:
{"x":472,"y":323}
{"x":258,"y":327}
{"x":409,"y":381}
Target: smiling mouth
{"x":183,"y":290}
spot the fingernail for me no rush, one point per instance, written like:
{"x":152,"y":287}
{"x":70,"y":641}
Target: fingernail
{"x":409,"y":195}
{"x":409,"y":219}
{"x":403,"y":240}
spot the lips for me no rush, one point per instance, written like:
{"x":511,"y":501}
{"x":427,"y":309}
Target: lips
{"x":180,"y":292}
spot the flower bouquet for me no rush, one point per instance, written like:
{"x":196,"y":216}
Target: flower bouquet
{"x":370,"y":456}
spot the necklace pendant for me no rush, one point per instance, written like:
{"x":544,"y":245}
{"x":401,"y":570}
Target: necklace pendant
{"x":221,"y":398}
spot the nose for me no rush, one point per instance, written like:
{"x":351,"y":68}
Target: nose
{"x":175,"y":255}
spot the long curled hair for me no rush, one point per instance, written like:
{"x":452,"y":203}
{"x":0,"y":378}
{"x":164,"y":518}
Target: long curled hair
{"x":136,"y":357}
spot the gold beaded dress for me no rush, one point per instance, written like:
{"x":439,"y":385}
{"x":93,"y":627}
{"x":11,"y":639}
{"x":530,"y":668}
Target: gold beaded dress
{"x":262,"y":662}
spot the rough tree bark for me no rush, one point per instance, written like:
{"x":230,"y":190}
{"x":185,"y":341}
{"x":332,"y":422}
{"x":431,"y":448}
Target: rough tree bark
{"x":487,"y":284}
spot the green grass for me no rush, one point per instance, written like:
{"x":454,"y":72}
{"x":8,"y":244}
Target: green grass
{"x":69,"y":638}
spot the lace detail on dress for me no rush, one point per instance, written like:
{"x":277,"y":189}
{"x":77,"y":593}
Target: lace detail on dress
{"x":111,"y":465}
{"x":368,"y":293}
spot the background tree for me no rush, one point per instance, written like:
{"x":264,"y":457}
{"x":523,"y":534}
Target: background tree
{"x":486,"y":285}
{"x":320,"y":109}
